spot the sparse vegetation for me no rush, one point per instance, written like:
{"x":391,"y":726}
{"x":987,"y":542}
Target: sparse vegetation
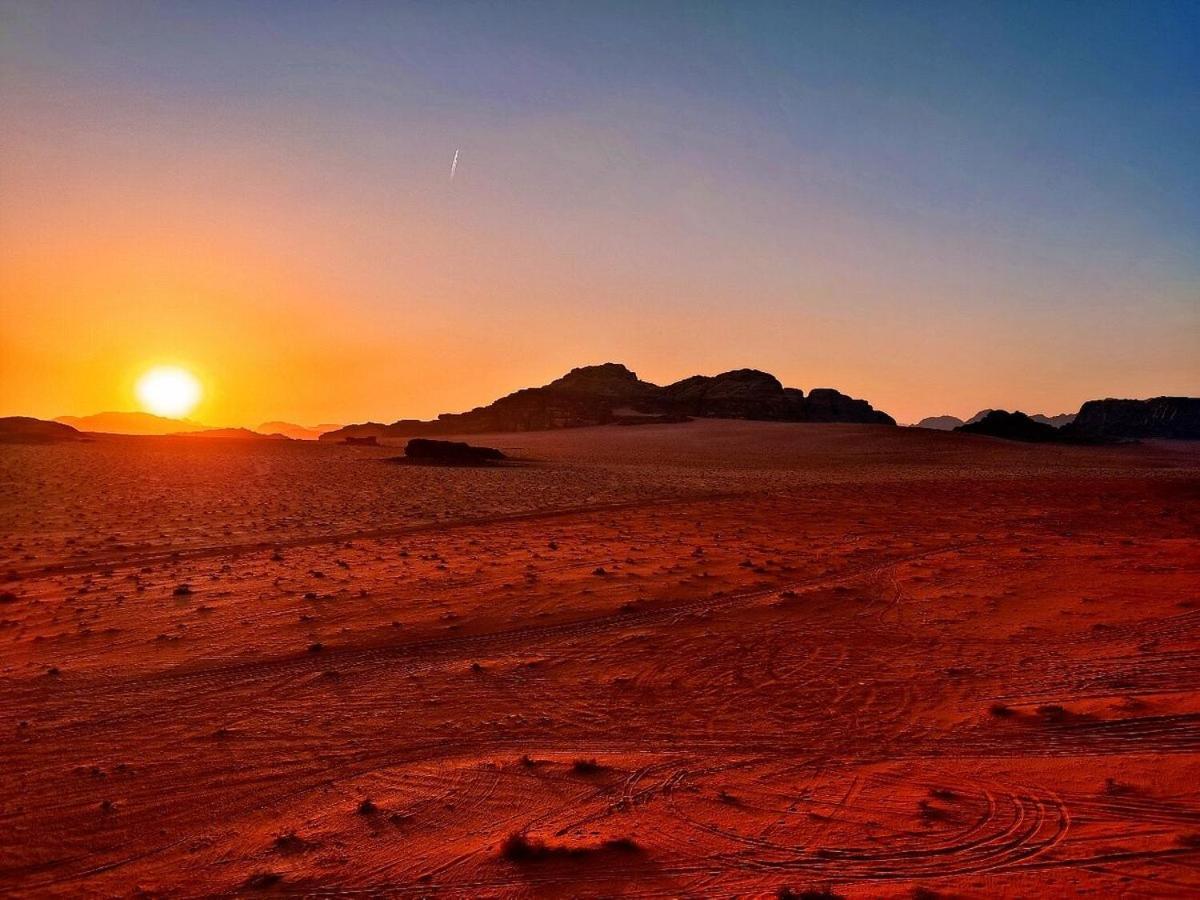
{"x":519,"y":847}
{"x":289,"y":842}
{"x":263,"y":880}
{"x":824,"y":892}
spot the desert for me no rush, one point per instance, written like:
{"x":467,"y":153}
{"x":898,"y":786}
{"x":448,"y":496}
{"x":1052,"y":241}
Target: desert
{"x":732,"y":450}
{"x":716,"y":657}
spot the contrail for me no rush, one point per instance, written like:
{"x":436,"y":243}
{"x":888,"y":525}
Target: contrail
{"x":454,"y":165}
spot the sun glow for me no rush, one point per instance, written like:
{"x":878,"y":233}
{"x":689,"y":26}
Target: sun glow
{"x":168,"y":391}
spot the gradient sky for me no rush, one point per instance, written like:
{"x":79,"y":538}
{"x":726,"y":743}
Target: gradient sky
{"x":935,"y":206}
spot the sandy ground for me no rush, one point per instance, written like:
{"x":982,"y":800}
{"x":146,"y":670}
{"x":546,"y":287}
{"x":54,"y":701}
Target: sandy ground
{"x":715,"y":659}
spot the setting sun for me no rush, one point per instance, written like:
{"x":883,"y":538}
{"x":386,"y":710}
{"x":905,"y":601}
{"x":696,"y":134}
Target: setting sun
{"x":168,"y":391}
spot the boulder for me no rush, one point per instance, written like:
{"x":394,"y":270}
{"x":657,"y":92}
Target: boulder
{"x":450,"y":452}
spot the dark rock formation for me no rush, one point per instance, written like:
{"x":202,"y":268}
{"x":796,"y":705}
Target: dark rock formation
{"x":828,"y":405}
{"x":1160,"y":417}
{"x":1058,"y":421}
{"x":28,"y":430}
{"x":950,"y":423}
{"x":941,"y":423}
{"x":452,"y":452}
{"x":1014,"y":426}
{"x":740,"y":394}
{"x":611,"y":393}
{"x":980,"y":416}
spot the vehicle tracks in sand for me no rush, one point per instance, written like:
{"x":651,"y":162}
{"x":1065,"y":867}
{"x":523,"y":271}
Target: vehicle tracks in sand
{"x":150,"y":556}
{"x":193,"y":683}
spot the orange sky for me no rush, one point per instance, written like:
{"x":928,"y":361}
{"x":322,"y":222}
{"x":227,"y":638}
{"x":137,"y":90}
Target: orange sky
{"x":292,"y":236}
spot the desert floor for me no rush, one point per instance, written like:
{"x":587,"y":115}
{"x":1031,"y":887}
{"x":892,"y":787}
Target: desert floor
{"x":711,"y":659}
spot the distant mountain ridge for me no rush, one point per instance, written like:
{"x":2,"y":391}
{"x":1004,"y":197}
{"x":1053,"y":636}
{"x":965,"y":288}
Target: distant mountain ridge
{"x":612,"y":394}
{"x":953,"y":423}
{"x":130,"y":423}
{"x":294,"y":431}
{"x":1015,"y":426}
{"x":236,"y":434}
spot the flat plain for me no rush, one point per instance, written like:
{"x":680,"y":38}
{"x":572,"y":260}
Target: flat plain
{"x":719,"y":658}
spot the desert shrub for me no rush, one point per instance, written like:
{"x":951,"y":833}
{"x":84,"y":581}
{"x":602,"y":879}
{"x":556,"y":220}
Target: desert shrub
{"x":520,"y":847}
{"x":826,"y":892}
{"x":262,"y":880}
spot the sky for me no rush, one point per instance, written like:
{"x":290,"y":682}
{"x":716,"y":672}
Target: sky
{"x":939,"y":207}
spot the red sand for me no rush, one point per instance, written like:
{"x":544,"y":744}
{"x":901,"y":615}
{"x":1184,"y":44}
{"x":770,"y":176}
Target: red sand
{"x":878,"y":659}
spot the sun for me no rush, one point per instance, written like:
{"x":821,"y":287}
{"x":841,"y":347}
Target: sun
{"x":168,"y":391}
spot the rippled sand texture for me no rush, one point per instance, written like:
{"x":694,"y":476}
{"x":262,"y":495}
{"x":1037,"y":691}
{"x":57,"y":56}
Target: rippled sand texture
{"x":715,"y":658}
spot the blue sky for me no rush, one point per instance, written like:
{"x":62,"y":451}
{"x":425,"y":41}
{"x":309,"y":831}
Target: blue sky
{"x":938,"y":206}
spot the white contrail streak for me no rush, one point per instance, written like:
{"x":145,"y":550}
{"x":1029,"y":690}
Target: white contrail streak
{"x":454,"y":165}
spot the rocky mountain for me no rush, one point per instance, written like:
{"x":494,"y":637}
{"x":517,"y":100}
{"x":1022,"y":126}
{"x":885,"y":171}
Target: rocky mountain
{"x":611,"y":393}
{"x":940,"y":423}
{"x":1014,"y":426}
{"x":28,"y":430}
{"x":1159,"y":417}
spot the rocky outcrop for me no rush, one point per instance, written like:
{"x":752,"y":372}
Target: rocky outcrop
{"x":940,"y":423}
{"x":611,"y":393}
{"x":1059,"y":421}
{"x":450,"y":452}
{"x":1014,"y":426}
{"x":1160,"y":417}
{"x":828,"y":405}
{"x":28,"y":430}
{"x":951,"y":423}
{"x":740,"y":394}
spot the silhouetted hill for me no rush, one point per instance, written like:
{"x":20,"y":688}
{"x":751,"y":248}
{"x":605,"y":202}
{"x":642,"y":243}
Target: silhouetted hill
{"x":1014,"y":426}
{"x":28,"y":430}
{"x":130,"y":423}
{"x":1159,"y":417}
{"x":610,"y":393}
{"x":1058,"y":421}
{"x":941,"y":423}
{"x":951,"y":423}
{"x":295,"y":432}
